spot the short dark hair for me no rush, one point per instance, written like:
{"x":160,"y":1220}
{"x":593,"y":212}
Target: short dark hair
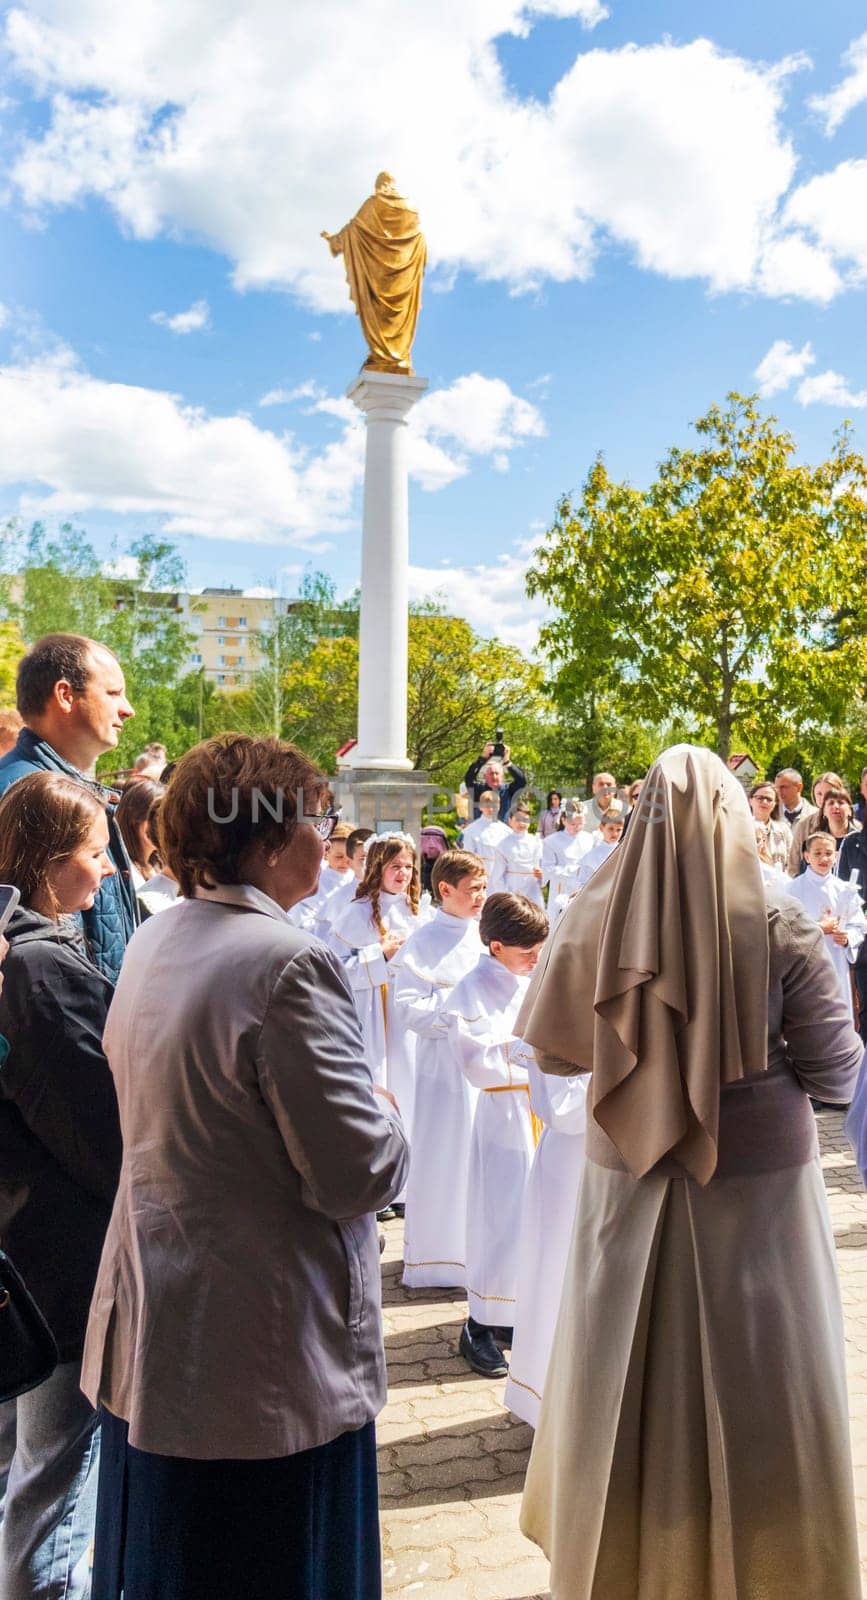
{"x":54,"y":657}
{"x":358,"y":836}
{"x":137,"y":805}
{"x":453,"y":865}
{"x":512,"y":919}
{"x":221,"y":801}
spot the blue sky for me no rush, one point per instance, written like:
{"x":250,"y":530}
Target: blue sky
{"x":627,"y":210}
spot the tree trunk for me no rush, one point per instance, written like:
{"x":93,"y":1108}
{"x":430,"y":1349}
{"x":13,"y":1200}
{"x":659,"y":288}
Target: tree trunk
{"x":724,"y":735}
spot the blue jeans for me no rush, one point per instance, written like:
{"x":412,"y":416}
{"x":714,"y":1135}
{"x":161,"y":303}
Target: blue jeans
{"x":49,"y":1508}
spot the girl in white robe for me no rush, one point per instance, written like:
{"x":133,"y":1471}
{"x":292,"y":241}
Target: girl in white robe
{"x":562,"y":854}
{"x":366,"y":936}
{"x":431,"y":962}
{"x":834,"y":904}
{"x":517,"y":866}
{"x":481,"y":1012}
{"x":546,"y":1229}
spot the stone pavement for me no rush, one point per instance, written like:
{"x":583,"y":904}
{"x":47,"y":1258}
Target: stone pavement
{"x":452,"y":1461}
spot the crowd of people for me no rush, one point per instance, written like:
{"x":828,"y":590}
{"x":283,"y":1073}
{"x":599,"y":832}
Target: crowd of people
{"x":237,"y":1034}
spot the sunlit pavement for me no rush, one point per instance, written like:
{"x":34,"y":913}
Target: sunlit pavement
{"x":452,"y":1461}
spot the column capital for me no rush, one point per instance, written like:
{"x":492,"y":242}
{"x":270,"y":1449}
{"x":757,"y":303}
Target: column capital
{"x":389,"y":395}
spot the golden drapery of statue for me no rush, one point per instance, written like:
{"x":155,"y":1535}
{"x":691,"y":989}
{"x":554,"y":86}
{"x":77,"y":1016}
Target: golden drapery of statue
{"x":384,"y":252}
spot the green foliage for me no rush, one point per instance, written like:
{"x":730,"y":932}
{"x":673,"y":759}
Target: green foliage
{"x":730,"y":596}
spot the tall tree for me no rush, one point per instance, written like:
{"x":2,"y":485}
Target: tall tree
{"x":732,"y":593}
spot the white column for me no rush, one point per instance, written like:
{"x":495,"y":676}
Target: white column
{"x":386,"y":399}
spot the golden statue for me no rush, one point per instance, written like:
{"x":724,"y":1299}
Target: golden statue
{"x":384,"y":251}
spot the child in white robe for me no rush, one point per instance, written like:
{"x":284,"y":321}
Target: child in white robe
{"x":357,"y":846}
{"x":608,"y":838}
{"x":517,"y":867}
{"x":483,"y":835}
{"x":834,"y":904}
{"x":546,"y":1229}
{"x":366,"y":936}
{"x":481,"y":1011}
{"x":562,"y":854}
{"x":431,"y":962}
{"x":312,"y":914}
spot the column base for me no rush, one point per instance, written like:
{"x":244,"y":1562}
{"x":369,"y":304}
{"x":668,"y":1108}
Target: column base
{"x":386,"y":799}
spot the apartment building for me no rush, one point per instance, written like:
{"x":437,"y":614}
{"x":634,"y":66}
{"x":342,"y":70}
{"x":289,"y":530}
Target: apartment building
{"x":227,"y":627}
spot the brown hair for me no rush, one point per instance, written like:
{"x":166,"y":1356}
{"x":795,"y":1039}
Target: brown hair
{"x":824,"y":834}
{"x":453,"y":865}
{"x":226,"y":795}
{"x":833,"y":778}
{"x":838,"y":793}
{"x":381,"y":852}
{"x":512,"y":919}
{"x":139,"y":804}
{"x":356,"y":837}
{"x":44,"y":819}
{"x":342,"y":832}
{"x":612,"y":816}
{"x":54,"y":657}
{"x":767,"y":783}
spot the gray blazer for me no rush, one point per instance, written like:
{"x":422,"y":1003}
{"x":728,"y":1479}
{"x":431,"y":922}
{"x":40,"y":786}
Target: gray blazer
{"x":237,"y":1308}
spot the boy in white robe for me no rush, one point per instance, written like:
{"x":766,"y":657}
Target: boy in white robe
{"x":562,"y":854}
{"x":481,"y":1012}
{"x":608,"y":838}
{"x":357,"y":846}
{"x":312,"y":914}
{"x":546,"y":1229}
{"x":834,"y":904}
{"x":483,"y":835}
{"x":517,"y":867}
{"x":425,"y":970}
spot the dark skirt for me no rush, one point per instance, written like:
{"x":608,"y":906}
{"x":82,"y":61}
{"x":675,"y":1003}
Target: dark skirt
{"x":302,"y":1527}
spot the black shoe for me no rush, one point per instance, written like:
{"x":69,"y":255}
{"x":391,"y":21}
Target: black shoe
{"x":481,"y":1353}
{"x":385,"y":1216}
{"x":503,"y":1337}
{"x":399,"y":1208}
{"x":828,"y":1105}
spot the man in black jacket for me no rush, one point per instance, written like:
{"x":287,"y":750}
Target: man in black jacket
{"x":489,"y":772}
{"x":72,"y":696}
{"x":853,"y":858}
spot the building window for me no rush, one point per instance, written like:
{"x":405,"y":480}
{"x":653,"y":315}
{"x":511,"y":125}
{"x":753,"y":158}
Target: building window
{"x":221,"y":661}
{"x":242,"y":622}
{"x":242,"y":661}
{"x":196,"y":658}
{"x":221,"y":622}
{"x":220,"y":639}
{"x":221,"y":677}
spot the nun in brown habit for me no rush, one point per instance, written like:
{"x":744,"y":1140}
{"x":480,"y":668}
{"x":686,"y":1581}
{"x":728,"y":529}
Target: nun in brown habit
{"x":694,"y":1442}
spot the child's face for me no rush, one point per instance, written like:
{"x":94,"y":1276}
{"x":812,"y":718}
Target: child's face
{"x":519,"y":823}
{"x":356,"y":861}
{"x":397,"y":875}
{"x":821,"y":855}
{"x":337,"y":857}
{"x":516,"y":958}
{"x":466,"y":897}
{"x":611,"y":831}
{"x":574,"y":824}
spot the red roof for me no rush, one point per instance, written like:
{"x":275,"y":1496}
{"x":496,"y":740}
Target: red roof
{"x":345,"y":748}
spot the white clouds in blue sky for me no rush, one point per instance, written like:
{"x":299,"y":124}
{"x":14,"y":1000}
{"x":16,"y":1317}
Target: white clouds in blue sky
{"x":660,"y":205}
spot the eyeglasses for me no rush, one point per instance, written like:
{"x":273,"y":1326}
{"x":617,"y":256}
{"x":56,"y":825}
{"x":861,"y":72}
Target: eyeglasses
{"x":324,"y":822}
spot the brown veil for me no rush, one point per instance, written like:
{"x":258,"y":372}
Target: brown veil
{"x":656,"y":978}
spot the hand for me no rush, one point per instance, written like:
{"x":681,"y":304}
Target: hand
{"x":828,"y":922}
{"x":324,"y":235}
{"x":537,"y":874}
{"x":488,"y":750}
{"x":391,"y":943}
{"x":386,"y":1095}
{"x":840,"y":936}
{"x":506,"y":753}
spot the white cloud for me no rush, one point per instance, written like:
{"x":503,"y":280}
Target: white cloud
{"x":308,"y":390}
{"x":80,"y":443}
{"x":676,"y":152}
{"x":830,"y":389}
{"x":192,"y":321}
{"x":782,"y":365}
{"x":491,"y":596}
{"x":792,"y":265}
{"x":833,"y":209}
{"x":850,"y":92}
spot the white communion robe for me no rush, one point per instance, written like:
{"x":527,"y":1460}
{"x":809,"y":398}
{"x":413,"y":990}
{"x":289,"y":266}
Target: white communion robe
{"x":355,"y":939}
{"x":482,"y":837}
{"x":594,"y":859}
{"x":312,"y":914}
{"x":428,"y":967}
{"x":562,"y":854}
{"x":514,"y":870}
{"x":481,"y":1013}
{"x":546,"y":1229}
{"x":818,"y":895}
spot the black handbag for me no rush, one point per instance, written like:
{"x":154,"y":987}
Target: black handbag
{"x":28,"y":1353}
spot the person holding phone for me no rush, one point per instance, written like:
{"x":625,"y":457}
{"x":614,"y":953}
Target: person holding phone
{"x":489,"y":772}
{"x":60,"y":1159}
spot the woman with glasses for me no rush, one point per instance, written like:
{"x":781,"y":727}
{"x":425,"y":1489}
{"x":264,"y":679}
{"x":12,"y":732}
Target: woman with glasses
{"x":765,"y":807}
{"x":234,"y":1340}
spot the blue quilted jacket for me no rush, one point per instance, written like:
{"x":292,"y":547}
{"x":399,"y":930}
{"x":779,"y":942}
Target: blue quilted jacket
{"x":113,"y":918}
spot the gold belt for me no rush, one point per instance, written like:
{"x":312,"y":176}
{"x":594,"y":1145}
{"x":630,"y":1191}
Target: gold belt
{"x":511,"y":1088}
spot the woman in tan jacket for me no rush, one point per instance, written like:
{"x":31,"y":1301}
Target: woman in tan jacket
{"x":234,"y":1340}
{"x":693,"y":1442}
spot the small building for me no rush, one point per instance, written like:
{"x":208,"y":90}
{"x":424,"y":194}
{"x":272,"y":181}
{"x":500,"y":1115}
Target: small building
{"x":744,"y":769}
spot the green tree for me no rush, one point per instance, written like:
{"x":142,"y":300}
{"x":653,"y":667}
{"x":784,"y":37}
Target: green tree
{"x":715,"y":595}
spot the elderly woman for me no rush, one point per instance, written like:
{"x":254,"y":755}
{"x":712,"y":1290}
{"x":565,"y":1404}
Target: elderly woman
{"x":693,"y":1441}
{"x":234,"y":1339}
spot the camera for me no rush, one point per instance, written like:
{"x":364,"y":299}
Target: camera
{"x":499,"y":747}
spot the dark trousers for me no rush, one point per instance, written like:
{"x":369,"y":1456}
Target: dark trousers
{"x":302,"y":1527}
